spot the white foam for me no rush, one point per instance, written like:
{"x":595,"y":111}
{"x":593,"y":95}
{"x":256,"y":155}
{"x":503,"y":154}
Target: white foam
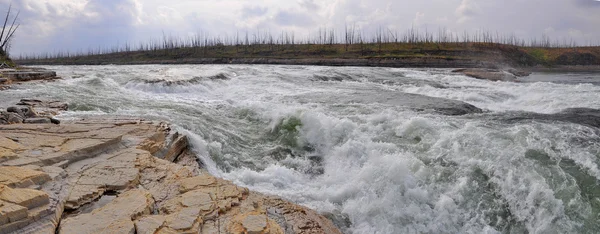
{"x":541,"y":97}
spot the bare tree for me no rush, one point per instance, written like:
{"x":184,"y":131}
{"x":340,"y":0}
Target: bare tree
{"x":6,"y":36}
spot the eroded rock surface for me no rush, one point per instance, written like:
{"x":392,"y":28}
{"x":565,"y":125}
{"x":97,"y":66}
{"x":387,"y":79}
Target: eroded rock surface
{"x":64,"y":179}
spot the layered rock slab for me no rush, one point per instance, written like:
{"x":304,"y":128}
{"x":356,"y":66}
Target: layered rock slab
{"x":61,"y":178}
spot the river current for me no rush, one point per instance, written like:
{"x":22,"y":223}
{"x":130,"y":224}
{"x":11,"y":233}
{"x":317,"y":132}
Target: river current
{"x":378,"y":150}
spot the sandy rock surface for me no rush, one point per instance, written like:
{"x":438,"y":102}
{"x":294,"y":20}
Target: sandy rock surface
{"x":127,"y":176}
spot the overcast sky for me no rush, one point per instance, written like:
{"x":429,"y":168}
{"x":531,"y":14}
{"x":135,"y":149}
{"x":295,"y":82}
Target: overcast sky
{"x":52,"y":25}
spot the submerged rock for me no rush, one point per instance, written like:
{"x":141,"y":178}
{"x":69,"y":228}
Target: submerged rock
{"x":583,"y":116}
{"x":391,"y":98}
{"x":187,"y":82}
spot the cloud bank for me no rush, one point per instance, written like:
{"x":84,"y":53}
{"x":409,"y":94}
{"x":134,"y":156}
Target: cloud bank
{"x":80,"y":25}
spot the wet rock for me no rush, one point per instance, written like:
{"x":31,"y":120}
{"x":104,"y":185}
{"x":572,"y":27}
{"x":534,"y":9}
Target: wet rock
{"x":518,"y":73}
{"x":26,"y":114}
{"x":29,"y":75}
{"x":54,"y":121}
{"x":178,"y":143}
{"x":37,"y":121}
{"x":16,"y":110}
{"x":336,"y":77}
{"x":583,"y":116}
{"x":29,"y":112}
{"x":398,"y":99}
{"x":488,"y":74}
{"x":457,"y":109}
{"x":10,"y":118}
{"x":40,"y":104}
{"x":220,"y":76}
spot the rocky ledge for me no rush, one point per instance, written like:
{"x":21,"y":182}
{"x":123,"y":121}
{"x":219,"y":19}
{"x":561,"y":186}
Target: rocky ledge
{"x":493,"y":74}
{"x":24,"y":112}
{"x":124,"y":175}
{"x":16,"y":76}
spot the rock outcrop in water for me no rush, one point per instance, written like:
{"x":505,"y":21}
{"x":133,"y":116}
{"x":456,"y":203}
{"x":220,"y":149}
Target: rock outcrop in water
{"x":127,"y":176}
{"x":16,"y":76}
{"x":582,"y":116}
{"x":492,"y":74}
{"x":415,"y":102}
{"x":24,"y":112}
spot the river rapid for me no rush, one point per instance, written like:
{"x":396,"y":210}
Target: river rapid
{"x":378,"y":150}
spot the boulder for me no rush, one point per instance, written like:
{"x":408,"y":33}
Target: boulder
{"x":54,"y":121}
{"x":16,"y":110}
{"x":12,"y":118}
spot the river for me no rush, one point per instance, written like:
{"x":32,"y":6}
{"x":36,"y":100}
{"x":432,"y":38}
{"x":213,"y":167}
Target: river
{"x":379,"y":150}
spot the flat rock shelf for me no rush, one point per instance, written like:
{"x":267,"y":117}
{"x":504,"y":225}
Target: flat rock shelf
{"x":124,"y":175}
{"x":16,"y":76}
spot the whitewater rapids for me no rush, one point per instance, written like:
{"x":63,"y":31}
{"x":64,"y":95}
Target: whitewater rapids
{"x":379,"y":150}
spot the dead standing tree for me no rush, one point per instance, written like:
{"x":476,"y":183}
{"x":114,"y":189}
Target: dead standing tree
{"x":7,"y":33}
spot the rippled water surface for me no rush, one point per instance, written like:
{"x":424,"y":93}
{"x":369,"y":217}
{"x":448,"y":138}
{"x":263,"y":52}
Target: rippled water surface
{"x":380,"y":150}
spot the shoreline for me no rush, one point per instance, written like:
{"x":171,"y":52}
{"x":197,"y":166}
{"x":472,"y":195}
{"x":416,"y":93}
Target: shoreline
{"x":336,"y":62}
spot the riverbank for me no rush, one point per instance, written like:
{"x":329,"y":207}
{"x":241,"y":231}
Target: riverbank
{"x":127,"y":175}
{"x":416,"y":55}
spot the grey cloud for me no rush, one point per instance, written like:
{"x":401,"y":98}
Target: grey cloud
{"x":588,"y":3}
{"x":309,"y":5}
{"x":253,"y":11}
{"x":111,"y":24}
{"x":288,"y":18}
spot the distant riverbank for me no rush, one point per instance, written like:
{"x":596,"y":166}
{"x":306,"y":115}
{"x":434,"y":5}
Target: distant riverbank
{"x":436,"y":55}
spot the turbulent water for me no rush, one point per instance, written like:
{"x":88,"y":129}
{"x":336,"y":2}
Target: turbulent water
{"x":379,"y":150}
